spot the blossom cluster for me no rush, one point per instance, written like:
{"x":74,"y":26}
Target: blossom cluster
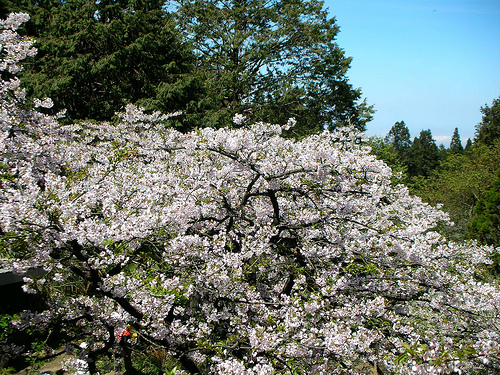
{"x":240,"y":251}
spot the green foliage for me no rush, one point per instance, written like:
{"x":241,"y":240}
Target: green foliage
{"x":32,"y":357}
{"x":485,"y":222}
{"x":171,"y":372}
{"x":488,"y":130}
{"x":387,"y":152}
{"x":424,"y":155}
{"x":399,"y":137}
{"x":415,"y":160}
{"x":6,"y":7}
{"x":7,"y":370}
{"x":151,"y":360}
{"x":97,"y":56}
{"x":36,"y":347}
{"x":358,"y":268}
{"x":271,"y":61}
{"x":418,"y":353}
{"x":459,"y":183}
{"x":468,"y":145}
{"x":5,"y":327}
{"x":458,"y":178}
{"x":456,"y":144}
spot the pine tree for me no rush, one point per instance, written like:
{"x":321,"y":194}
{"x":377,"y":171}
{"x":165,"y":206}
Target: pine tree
{"x":424,"y":155}
{"x":468,"y":145}
{"x":96,"y":56}
{"x":485,"y":222}
{"x":271,"y":60}
{"x":456,"y":144}
{"x":399,"y":137}
{"x":488,"y":130}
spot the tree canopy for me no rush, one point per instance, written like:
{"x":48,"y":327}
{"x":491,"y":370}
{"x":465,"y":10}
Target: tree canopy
{"x":456,"y":178}
{"x":97,"y":56}
{"x":271,"y":60}
{"x":460,"y":181}
{"x":456,"y":144}
{"x":231,"y":251}
{"x":424,"y":155}
{"x":399,"y":137}
{"x":266,"y":60}
{"x":488,"y":130}
{"x":485,"y":223}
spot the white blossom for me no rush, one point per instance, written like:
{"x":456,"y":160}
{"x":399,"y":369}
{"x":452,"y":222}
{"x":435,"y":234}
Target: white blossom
{"x":234,"y":243}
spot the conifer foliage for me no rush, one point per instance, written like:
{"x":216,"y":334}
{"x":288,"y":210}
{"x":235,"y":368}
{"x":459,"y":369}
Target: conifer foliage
{"x":269,"y":60}
{"x":424,"y":155}
{"x":97,"y":56}
{"x":456,"y":144}
{"x":488,"y":130}
{"x":485,"y":223}
{"x":274,"y":60}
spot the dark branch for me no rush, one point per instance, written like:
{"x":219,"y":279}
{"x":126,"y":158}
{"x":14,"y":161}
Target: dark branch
{"x":276,"y":208}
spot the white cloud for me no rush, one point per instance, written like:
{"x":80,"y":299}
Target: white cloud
{"x":444,"y":139}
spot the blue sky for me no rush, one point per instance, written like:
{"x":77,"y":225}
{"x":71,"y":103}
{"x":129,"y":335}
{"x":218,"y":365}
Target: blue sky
{"x":430,"y":63}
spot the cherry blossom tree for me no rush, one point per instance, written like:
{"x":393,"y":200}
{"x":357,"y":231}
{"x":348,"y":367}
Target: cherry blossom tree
{"x":233,"y":251}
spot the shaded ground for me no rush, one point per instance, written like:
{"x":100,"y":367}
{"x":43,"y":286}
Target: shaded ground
{"x":52,"y":367}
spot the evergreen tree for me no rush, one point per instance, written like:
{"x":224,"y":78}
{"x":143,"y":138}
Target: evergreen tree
{"x":459,"y":182}
{"x":468,"y":145}
{"x":399,"y":136}
{"x":456,"y":144}
{"x":95,"y":56}
{"x":485,"y":223}
{"x":4,"y":8}
{"x":387,"y":152}
{"x":271,"y":60}
{"x":488,"y":130}
{"x":424,"y":155}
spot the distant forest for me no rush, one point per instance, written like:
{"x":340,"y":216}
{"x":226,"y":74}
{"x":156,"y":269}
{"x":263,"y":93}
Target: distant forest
{"x":464,"y":180}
